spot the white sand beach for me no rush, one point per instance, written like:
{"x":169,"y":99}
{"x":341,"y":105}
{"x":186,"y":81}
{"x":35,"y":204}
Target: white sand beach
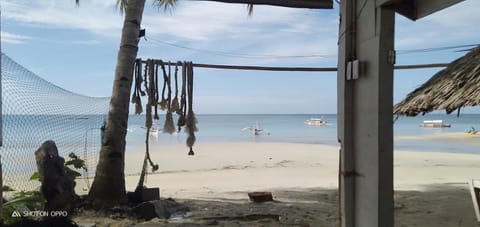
{"x":431,"y":187}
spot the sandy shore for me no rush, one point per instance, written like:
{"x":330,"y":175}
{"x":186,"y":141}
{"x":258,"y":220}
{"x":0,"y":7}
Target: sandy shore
{"x":449,"y":137}
{"x":227,"y":167}
{"x":431,"y":188}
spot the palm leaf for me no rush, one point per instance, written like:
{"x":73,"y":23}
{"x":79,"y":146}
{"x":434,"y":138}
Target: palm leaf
{"x":167,"y":5}
{"x":250,"y":9}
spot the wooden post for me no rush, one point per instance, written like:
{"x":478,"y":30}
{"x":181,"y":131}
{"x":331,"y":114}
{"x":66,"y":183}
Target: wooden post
{"x":365,"y":118}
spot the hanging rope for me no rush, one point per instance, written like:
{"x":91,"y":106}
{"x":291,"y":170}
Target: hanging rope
{"x":169,"y":126}
{"x":155,"y":102}
{"x":151,"y":102}
{"x":137,"y":89}
{"x":175,"y":103}
{"x":191,"y":120}
{"x":182,"y":105}
{"x":183,"y":97}
{"x":163,"y":103}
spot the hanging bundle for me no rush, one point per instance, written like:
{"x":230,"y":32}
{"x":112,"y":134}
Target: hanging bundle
{"x":150,"y":93}
{"x":151,"y":103}
{"x":191,"y":120}
{"x":137,"y":89}
{"x":175,"y":104}
{"x":183,"y":99}
{"x":169,"y":127}
{"x":155,"y":90}
{"x":163,"y":102}
{"x":151,"y":90}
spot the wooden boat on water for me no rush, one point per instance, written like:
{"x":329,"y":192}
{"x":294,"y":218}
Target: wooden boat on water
{"x":316,"y":122}
{"x":434,"y":124}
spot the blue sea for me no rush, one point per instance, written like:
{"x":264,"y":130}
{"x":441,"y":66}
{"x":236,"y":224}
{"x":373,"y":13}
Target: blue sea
{"x":291,"y":128}
{"x":81,"y":134}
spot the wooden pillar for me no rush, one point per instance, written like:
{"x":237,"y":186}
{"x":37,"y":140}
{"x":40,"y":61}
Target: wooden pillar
{"x":365,"y":118}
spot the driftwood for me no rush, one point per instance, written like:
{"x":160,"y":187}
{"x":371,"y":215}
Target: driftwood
{"x":57,"y":187}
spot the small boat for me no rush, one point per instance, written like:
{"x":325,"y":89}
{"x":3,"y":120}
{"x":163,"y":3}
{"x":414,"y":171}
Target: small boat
{"x":470,"y":131}
{"x":256,"y":130}
{"x":434,"y":124}
{"x":316,"y":122}
{"x":153,"y":132}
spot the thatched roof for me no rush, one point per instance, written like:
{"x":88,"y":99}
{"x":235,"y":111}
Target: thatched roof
{"x":456,"y":86}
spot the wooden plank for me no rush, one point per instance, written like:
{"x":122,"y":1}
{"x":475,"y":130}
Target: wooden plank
{"x":297,"y":69}
{"x":475,"y":193}
{"x":416,"y":9}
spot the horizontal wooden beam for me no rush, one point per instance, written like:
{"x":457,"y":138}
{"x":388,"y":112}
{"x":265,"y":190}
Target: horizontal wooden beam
{"x":416,"y":9}
{"x":421,"y":66}
{"x":309,"y":4}
{"x":267,"y":68}
{"x":296,"y":69}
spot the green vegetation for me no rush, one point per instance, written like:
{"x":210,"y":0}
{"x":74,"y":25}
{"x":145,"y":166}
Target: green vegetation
{"x":22,"y":202}
{"x":25,"y":201}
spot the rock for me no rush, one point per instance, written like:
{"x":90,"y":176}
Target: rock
{"x":57,"y":187}
{"x":158,"y":209}
{"x":211,"y":222}
{"x":260,"y":197}
{"x":92,"y":224}
{"x":143,"y":194}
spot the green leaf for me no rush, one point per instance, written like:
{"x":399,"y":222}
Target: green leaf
{"x":72,"y":173}
{"x":35,"y":176}
{"x":77,"y":163}
{"x":72,"y":156}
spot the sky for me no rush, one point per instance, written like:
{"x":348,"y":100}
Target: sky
{"x":76,"y":49}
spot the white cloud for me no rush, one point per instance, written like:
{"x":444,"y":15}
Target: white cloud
{"x":13,"y":38}
{"x":94,"y":16}
{"x":202,"y":25}
{"x":86,"y":42}
{"x":227,"y":27}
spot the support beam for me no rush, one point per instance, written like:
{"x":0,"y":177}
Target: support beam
{"x":365,"y":123}
{"x":294,"y":69}
{"x":416,"y":9}
{"x":309,"y":4}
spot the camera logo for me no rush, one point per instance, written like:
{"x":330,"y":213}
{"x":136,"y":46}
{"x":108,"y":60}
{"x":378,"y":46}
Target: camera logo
{"x":16,"y":214}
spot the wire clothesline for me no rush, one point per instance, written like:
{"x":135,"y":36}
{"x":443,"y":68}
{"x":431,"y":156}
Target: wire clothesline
{"x":296,"y":69}
{"x":303,"y":55}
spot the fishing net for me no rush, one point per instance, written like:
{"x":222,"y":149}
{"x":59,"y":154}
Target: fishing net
{"x":35,"y":110}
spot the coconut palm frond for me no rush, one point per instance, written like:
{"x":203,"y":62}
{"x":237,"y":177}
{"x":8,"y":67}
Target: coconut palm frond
{"x":167,"y":5}
{"x":250,"y":9}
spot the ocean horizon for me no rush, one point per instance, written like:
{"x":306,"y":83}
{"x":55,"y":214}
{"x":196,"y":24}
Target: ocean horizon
{"x":81,"y":134}
{"x":76,"y":130}
{"x":290,"y":128}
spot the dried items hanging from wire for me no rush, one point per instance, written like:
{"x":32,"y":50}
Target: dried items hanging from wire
{"x":191,"y":120}
{"x":181,"y":105}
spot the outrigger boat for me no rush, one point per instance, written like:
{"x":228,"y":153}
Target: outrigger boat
{"x":434,"y":124}
{"x":256,"y":130}
{"x":316,"y":122}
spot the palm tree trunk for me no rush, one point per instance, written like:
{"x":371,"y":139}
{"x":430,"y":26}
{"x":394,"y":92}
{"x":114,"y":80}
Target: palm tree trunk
{"x":108,"y":188}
